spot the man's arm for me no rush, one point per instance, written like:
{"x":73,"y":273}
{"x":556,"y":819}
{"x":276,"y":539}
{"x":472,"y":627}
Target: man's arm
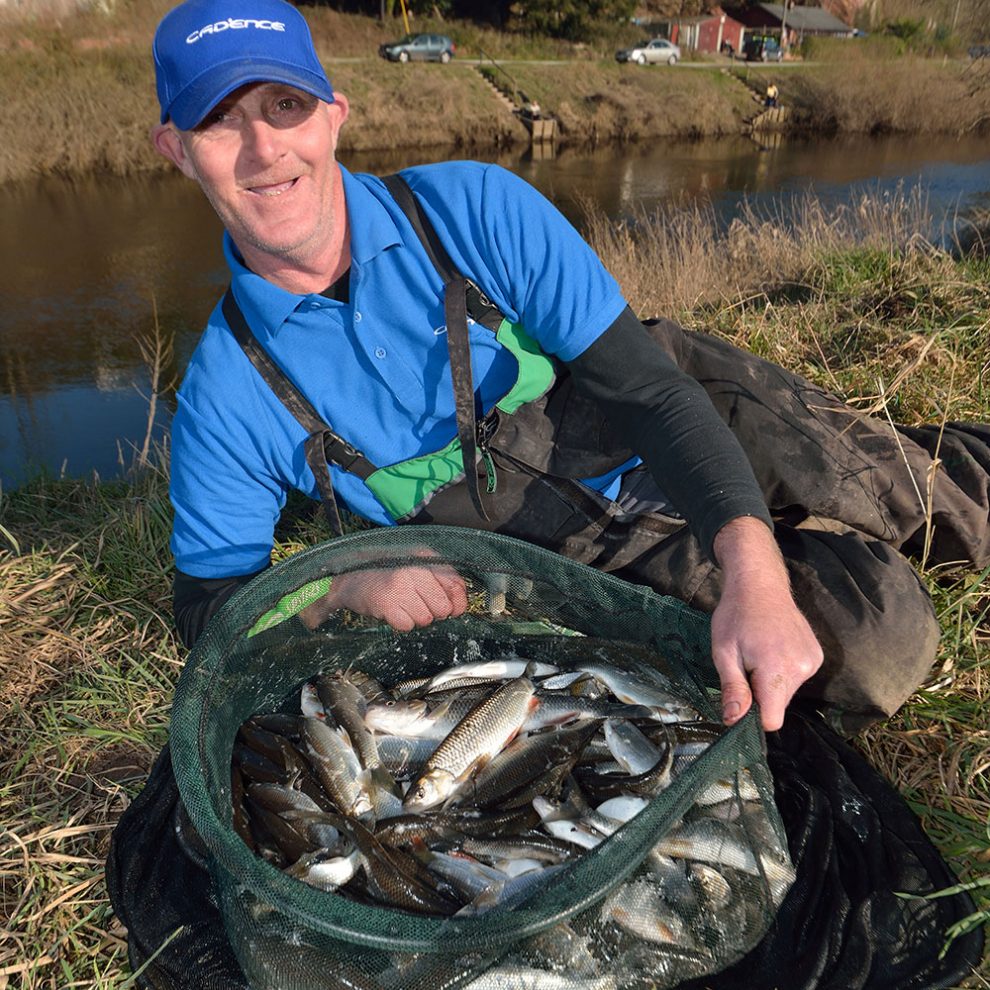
{"x":666,"y":417}
{"x":757,"y":629}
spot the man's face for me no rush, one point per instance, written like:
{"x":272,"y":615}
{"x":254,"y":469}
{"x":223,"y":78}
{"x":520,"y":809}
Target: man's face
{"x":264,"y":157}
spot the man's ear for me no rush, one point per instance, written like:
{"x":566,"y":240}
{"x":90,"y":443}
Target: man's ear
{"x":339,"y":110}
{"x":167,"y":142}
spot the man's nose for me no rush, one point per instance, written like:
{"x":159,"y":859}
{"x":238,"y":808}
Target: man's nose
{"x":262,"y":139}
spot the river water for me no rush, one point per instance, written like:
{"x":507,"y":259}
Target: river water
{"x":89,"y":267}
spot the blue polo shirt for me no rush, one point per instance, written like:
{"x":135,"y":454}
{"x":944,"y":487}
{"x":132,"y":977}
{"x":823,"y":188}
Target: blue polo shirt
{"x":375,"y":368}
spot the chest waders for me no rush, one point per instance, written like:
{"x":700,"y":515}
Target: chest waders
{"x":510,"y":471}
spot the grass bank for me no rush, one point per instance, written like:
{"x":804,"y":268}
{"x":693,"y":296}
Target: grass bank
{"x":79,"y":93}
{"x":850,"y":298}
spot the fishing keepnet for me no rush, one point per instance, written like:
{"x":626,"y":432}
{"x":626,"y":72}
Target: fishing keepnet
{"x":645,"y":907}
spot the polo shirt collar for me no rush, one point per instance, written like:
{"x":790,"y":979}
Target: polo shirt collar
{"x":267,"y":306}
{"x":372,"y":227}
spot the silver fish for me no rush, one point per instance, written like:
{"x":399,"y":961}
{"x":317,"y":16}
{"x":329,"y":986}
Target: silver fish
{"x":512,"y":976}
{"x":466,"y":874}
{"x":737,"y":788}
{"x":486,"y":669}
{"x":713,"y":889}
{"x":639,"y":908}
{"x":310,"y":704}
{"x":418,"y":718}
{"x":337,"y":766}
{"x":482,"y":733}
{"x":404,"y":756}
{"x":630,"y":747}
{"x":527,"y":845}
{"x":346,"y":705}
{"x":325,"y":874}
{"x":638,"y":691}
{"x":622,"y":808}
{"x":528,"y":766}
{"x":558,"y":709}
{"x":707,"y":840}
{"x":572,"y":831}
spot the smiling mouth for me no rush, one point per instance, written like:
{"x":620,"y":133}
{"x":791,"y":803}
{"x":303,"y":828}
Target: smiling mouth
{"x":274,"y":189}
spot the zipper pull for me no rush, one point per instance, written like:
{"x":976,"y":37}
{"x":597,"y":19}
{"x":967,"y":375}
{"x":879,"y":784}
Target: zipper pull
{"x":490,"y":472}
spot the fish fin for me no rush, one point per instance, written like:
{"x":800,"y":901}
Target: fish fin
{"x":381,"y":778}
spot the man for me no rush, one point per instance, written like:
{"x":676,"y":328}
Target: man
{"x":772,"y":94}
{"x":333,"y":290}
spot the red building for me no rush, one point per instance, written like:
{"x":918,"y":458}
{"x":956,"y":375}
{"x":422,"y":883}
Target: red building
{"x":707,"y":33}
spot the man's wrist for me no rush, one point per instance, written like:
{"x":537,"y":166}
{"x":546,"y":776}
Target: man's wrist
{"x":746,"y":549}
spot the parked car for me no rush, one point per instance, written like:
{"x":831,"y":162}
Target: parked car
{"x":658,"y":50}
{"x":762,"y":50}
{"x":419,"y":47}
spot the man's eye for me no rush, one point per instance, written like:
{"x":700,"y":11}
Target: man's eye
{"x":288,"y":111}
{"x":216,"y":118}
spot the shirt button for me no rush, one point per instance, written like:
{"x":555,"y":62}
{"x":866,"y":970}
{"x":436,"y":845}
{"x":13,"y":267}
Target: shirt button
{"x":314,"y":305}
{"x":357,"y":317}
{"x":380,"y":352}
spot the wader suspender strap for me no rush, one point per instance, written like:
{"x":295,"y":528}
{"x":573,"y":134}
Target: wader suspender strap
{"x":322,"y":447}
{"x":455,"y":315}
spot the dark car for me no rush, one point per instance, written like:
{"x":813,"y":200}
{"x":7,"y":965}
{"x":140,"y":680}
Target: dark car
{"x":419,"y":47}
{"x":762,"y":50}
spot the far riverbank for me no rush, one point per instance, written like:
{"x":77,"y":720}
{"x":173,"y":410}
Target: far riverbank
{"x":74,"y":111}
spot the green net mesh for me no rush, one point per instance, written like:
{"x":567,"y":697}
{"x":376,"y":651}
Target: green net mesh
{"x":616,"y":916}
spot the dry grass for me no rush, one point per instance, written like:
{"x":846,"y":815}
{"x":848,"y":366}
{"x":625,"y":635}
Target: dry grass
{"x":606,"y":101}
{"x":411,"y":105}
{"x":89,"y":657}
{"x":678,"y":259}
{"x":89,"y":664}
{"x":898,"y":95}
{"x":851,"y":296}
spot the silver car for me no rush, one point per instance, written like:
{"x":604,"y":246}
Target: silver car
{"x":657,"y":51}
{"x":420,"y":48}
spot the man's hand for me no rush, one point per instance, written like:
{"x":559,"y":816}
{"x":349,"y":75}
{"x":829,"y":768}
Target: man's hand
{"x":405,"y":597}
{"x":761,"y":643}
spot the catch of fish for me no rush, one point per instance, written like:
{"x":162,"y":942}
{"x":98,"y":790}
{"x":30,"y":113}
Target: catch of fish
{"x":459,"y":793}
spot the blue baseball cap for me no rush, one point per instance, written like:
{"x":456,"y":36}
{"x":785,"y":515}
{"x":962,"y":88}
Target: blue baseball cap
{"x":205,"y":49}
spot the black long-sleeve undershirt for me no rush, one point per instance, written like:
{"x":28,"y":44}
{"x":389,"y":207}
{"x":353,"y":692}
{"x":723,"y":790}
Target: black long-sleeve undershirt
{"x":195,"y":601}
{"x":666,"y":417}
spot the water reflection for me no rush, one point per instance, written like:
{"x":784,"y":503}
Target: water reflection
{"x":88,"y":267}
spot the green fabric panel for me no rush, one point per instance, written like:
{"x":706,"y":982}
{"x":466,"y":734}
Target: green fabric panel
{"x":536,"y":373}
{"x":404,"y":486}
{"x":292,"y":604}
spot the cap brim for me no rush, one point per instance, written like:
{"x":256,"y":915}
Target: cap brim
{"x":208,"y":89}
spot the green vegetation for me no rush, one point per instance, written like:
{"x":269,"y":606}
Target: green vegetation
{"x":851,"y":298}
{"x":577,"y":20}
